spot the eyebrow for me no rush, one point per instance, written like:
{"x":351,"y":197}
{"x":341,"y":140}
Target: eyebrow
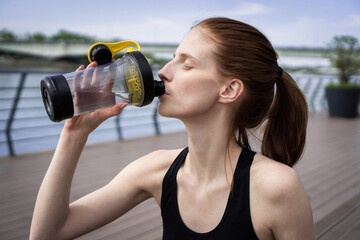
{"x":186,"y":55}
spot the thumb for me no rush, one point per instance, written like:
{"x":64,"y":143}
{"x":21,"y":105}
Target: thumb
{"x":112,"y":111}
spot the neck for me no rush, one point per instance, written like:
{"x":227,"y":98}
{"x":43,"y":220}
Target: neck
{"x":211,"y":154}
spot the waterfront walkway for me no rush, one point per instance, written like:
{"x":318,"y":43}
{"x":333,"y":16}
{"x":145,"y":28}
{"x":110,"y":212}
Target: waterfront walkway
{"x":329,"y":170}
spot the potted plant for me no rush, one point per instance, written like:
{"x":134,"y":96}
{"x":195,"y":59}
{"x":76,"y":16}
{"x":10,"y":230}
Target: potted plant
{"x":343,"y":97}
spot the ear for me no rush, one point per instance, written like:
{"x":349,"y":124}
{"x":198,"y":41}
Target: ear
{"x":231,"y":91}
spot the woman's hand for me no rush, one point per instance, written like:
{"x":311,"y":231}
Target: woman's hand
{"x":88,"y":122}
{"x":53,"y":218}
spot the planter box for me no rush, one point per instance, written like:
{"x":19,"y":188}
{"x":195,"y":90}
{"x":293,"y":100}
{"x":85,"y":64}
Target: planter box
{"x":343,"y":102}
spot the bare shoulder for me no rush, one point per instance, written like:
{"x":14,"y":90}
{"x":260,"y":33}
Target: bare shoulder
{"x":283,"y":208}
{"x":273,"y":179}
{"x":158,"y":160}
{"x":148,"y":171}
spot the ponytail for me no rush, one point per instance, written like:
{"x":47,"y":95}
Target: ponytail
{"x":251,"y":58}
{"x":285,"y":131}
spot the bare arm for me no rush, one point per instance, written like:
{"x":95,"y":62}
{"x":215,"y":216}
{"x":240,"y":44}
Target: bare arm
{"x":280,"y":208}
{"x":292,"y":214}
{"x":53,"y":218}
{"x":52,"y":203}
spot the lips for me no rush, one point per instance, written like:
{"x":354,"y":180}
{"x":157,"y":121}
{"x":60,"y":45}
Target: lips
{"x":166,"y":92}
{"x":164,"y":95}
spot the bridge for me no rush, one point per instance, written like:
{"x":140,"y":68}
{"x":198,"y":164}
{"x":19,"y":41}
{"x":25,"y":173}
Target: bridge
{"x":59,"y":49}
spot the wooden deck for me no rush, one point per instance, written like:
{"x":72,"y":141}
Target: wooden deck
{"x":329,"y":170}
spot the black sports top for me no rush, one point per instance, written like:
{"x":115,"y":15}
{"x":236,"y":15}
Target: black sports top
{"x":236,"y":222}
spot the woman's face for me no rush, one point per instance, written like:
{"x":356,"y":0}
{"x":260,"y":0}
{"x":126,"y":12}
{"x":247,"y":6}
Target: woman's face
{"x":192,"y":83}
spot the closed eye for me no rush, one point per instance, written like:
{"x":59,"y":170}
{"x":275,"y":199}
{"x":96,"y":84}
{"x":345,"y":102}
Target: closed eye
{"x":187,"y":65}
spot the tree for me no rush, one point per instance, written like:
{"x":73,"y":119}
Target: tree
{"x":345,"y":56}
{"x":69,"y":36}
{"x":38,"y":37}
{"x":7,"y":35}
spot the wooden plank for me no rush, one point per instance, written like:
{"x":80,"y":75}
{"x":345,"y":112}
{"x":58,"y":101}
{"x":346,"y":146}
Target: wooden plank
{"x":329,"y":171}
{"x":343,"y":227}
{"x":323,"y":226}
{"x":20,"y":179}
{"x":353,"y":233}
{"x":341,"y":186}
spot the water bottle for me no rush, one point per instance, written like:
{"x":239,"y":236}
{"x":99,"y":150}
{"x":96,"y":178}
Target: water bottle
{"x":75,"y":93}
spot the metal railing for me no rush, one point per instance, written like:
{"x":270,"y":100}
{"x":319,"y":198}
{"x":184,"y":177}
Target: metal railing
{"x":313,"y":87}
{"x":25,"y":127}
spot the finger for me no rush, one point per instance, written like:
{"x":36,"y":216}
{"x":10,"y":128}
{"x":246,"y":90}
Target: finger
{"x":77,"y":78}
{"x":92,"y":65}
{"x":80,"y":68}
{"x":97,"y":76}
{"x":113,"y":111}
{"x":88,"y":75}
{"x":110,"y":78}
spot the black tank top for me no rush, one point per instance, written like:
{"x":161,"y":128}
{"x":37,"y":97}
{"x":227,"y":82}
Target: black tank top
{"x":236,"y":222}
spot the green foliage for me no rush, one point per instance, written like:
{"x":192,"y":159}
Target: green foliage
{"x":37,"y":37}
{"x":344,"y":54}
{"x":7,"y":35}
{"x":63,"y":35}
{"x":70,"y":36}
{"x":343,"y":85}
{"x":156,"y":60}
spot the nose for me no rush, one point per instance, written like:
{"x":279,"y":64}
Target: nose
{"x":162,"y":76}
{"x":165,"y":73}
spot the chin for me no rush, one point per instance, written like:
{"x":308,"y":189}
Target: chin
{"x":181,"y":110}
{"x":167,"y":111}
{"x":167,"y":114}
{"x":163,"y":111}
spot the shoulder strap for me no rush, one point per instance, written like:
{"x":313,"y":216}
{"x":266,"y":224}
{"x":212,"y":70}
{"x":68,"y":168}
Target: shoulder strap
{"x":175,"y":166}
{"x":246,"y":158}
{"x":169,"y":181}
{"x":242,"y":172}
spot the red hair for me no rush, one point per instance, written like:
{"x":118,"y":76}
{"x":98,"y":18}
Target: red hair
{"x":243,"y":52}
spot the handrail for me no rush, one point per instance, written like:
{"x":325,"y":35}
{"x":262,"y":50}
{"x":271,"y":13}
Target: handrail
{"x":15,"y":107}
{"x":12,"y":114}
{"x":11,"y":125}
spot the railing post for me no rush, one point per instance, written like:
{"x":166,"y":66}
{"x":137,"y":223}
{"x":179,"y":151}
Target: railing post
{"x":12,"y":113}
{"x":118,"y":127}
{"x":315,"y":93}
{"x":155,"y":119}
{"x":307,"y":85}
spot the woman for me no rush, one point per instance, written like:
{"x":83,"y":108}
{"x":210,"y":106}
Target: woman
{"x":220,"y":84}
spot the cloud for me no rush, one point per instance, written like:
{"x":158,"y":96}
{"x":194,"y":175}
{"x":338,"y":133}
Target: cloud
{"x":172,"y":26}
{"x":159,"y":21}
{"x":245,"y":9}
{"x":286,"y":24}
{"x":248,"y":9}
{"x":302,"y":31}
{"x":311,"y":31}
{"x":352,"y":21}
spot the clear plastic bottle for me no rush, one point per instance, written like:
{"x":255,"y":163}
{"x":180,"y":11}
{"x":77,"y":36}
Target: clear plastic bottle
{"x":75,"y":93}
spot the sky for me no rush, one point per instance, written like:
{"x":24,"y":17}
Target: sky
{"x":305,"y":23}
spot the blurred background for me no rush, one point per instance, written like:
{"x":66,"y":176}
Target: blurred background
{"x":39,"y":38}
{"x":317,"y":42}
